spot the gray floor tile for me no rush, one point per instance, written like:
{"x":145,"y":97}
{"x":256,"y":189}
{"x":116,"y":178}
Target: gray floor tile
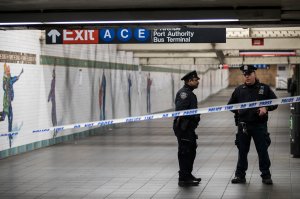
{"x":139,"y":160}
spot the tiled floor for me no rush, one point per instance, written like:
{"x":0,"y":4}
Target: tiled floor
{"x":139,"y":161}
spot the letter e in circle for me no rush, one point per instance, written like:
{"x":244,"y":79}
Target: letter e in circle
{"x":141,"y":34}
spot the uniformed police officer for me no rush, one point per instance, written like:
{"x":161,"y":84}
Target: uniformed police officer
{"x":184,"y":129}
{"x":252,"y":122}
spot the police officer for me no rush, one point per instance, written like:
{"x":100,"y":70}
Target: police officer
{"x":184,"y":129}
{"x":252,"y":122}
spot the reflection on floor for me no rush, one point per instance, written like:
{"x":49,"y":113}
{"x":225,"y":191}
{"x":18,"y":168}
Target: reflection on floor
{"x":139,"y":161}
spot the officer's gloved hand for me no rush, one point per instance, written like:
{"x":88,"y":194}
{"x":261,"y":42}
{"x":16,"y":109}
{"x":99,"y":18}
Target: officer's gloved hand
{"x":262,"y":111}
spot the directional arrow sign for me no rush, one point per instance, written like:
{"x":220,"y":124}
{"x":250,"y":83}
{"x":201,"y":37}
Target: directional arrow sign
{"x":53,"y":37}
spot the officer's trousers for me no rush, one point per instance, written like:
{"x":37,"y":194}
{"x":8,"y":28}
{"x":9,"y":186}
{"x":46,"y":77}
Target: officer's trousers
{"x":260,"y":135}
{"x":186,"y":156}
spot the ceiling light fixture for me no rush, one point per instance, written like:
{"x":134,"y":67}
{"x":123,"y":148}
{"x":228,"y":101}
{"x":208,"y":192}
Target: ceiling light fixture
{"x":268,"y":53}
{"x":145,"y":21}
{"x":119,"y":22}
{"x":19,"y":23}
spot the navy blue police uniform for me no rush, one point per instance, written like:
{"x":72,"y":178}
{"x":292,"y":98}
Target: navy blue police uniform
{"x":184,"y":129}
{"x":250,"y":124}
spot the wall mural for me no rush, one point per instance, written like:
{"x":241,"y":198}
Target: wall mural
{"x":129,"y":94}
{"x":104,"y":86}
{"x":102,"y":95}
{"x":149,"y":83}
{"x":8,"y":97}
{"x":173,"y":90}
{"x":51,"y":97}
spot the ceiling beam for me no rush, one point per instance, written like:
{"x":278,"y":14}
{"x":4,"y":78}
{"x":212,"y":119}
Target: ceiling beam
{"x":215,"y":61}
{"x":173,"y":54}
{"x":231,"y":44}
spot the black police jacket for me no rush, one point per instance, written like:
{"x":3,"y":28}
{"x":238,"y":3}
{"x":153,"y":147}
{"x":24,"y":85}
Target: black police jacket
{"x":248,"y":93}
{"x":186,"y":99}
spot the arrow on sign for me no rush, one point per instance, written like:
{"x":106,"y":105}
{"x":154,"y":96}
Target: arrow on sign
{"x":54,"y":33}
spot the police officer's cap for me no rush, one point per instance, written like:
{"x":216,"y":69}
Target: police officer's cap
{"x":247,"y":69}
{"x":190,"y":75}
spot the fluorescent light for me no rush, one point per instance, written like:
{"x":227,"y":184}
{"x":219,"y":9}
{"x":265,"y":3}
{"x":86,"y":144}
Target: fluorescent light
{"x":143,"y":21}
{"x":20,"y":23}
{"x":268,"y":53}
{"x":119,"y":22}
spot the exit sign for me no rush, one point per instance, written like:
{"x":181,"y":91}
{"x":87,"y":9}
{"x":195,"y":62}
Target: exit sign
{"x":257,"y":41}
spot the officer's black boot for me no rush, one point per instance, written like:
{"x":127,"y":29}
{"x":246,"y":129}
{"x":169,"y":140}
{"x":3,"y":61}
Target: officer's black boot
{"x":238,"y":180}
{"x":268,"y":181}
{"x":184,"y":182}
{"x":186,"y":179}
{"x":194,"y":178}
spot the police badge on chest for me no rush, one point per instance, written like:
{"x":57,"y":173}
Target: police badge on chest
{"x":183,"y":95}
{"x":261,"y":90}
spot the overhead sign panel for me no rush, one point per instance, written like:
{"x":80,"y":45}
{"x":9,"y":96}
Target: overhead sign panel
{"x":189,"y":35}
{"x":136,"y":35}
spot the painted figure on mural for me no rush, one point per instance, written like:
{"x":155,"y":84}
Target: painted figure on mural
{"x":102,"y":96}
{"x":51,"y":97}
{"x":8,"y":97}
{"x":173,"y":89}
{"x":129,"y":94}
{"x":149,"y":83}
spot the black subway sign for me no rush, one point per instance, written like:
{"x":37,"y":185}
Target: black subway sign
{"x":189,"y":35}
{"x":136,"y":35}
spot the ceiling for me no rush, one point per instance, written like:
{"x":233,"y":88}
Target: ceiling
{"x":248,"y":13}
{"x":50,"y":5}
{"x":282,"y":17}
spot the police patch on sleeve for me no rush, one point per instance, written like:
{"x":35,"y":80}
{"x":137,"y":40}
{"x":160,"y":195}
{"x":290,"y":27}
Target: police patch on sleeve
{"x":183,"y":95}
